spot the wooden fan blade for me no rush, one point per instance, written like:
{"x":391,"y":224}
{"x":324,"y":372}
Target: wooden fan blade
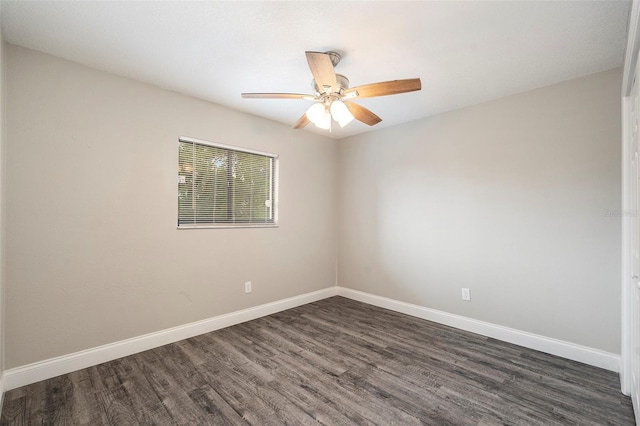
{"x":362,"y":114}
{"x":384,"y":88}
{"x":277,"y":96}
{"x":302,"y":122}
{"x":322,"y":70}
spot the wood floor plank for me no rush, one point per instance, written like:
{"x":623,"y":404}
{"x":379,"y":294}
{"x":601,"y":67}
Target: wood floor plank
{"x":374,"y":410}
{"x":116,"y":406}
{"x":87,"y":409}
{"x":332,"y":362}
{"x":181,"y":408}
{"x":14,"y":411}
{"x":217,"y":409}
{"x":247,"y":405}
{"x":145,"y":402}
{"x":306,"y":398}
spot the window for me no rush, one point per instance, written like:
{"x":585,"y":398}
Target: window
{"x":224,"y":186}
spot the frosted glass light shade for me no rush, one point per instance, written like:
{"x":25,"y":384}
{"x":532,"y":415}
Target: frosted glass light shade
{"x":325,"y":121}
{"x":315,"y":112}
{"x":318,"y":115}
{"x":341,"y":113}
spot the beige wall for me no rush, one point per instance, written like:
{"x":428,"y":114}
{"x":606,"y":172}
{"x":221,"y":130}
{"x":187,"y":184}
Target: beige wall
{"x":93,"y":254}
{"x":507,"y":198}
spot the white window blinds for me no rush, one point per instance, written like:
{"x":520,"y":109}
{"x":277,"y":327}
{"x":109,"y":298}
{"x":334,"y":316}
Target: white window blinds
{"x":223,"y":186}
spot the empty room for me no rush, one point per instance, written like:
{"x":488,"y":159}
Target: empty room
{"x":319,"y":212}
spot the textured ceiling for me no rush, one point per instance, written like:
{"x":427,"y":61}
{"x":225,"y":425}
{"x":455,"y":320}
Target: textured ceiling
{"x":464,"y":52}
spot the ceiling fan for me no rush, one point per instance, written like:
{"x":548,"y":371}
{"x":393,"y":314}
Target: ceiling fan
{"x":332,"y":95}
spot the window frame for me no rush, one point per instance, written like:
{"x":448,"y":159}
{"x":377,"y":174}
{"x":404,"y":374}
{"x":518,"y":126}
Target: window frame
{"x":274,"y":188}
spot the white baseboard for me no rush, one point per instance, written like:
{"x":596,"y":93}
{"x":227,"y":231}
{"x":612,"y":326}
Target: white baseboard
{"x":548,"y":345}
{"x":53,"y":367}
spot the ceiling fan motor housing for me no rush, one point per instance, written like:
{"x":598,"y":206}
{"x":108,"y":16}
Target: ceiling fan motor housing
{"x":342,"y":83}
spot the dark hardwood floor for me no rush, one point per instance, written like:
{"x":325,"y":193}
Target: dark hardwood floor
{"x":337,"y":362}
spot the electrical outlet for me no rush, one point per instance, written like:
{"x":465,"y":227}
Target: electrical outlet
{"x":247,"y":287}
{"x":466,"y":295}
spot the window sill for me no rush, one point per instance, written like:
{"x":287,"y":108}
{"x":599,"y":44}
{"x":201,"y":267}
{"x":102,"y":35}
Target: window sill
{"x":239,"y":225}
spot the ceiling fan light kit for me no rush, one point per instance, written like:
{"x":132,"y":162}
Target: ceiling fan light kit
{"x":332,"y":93}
